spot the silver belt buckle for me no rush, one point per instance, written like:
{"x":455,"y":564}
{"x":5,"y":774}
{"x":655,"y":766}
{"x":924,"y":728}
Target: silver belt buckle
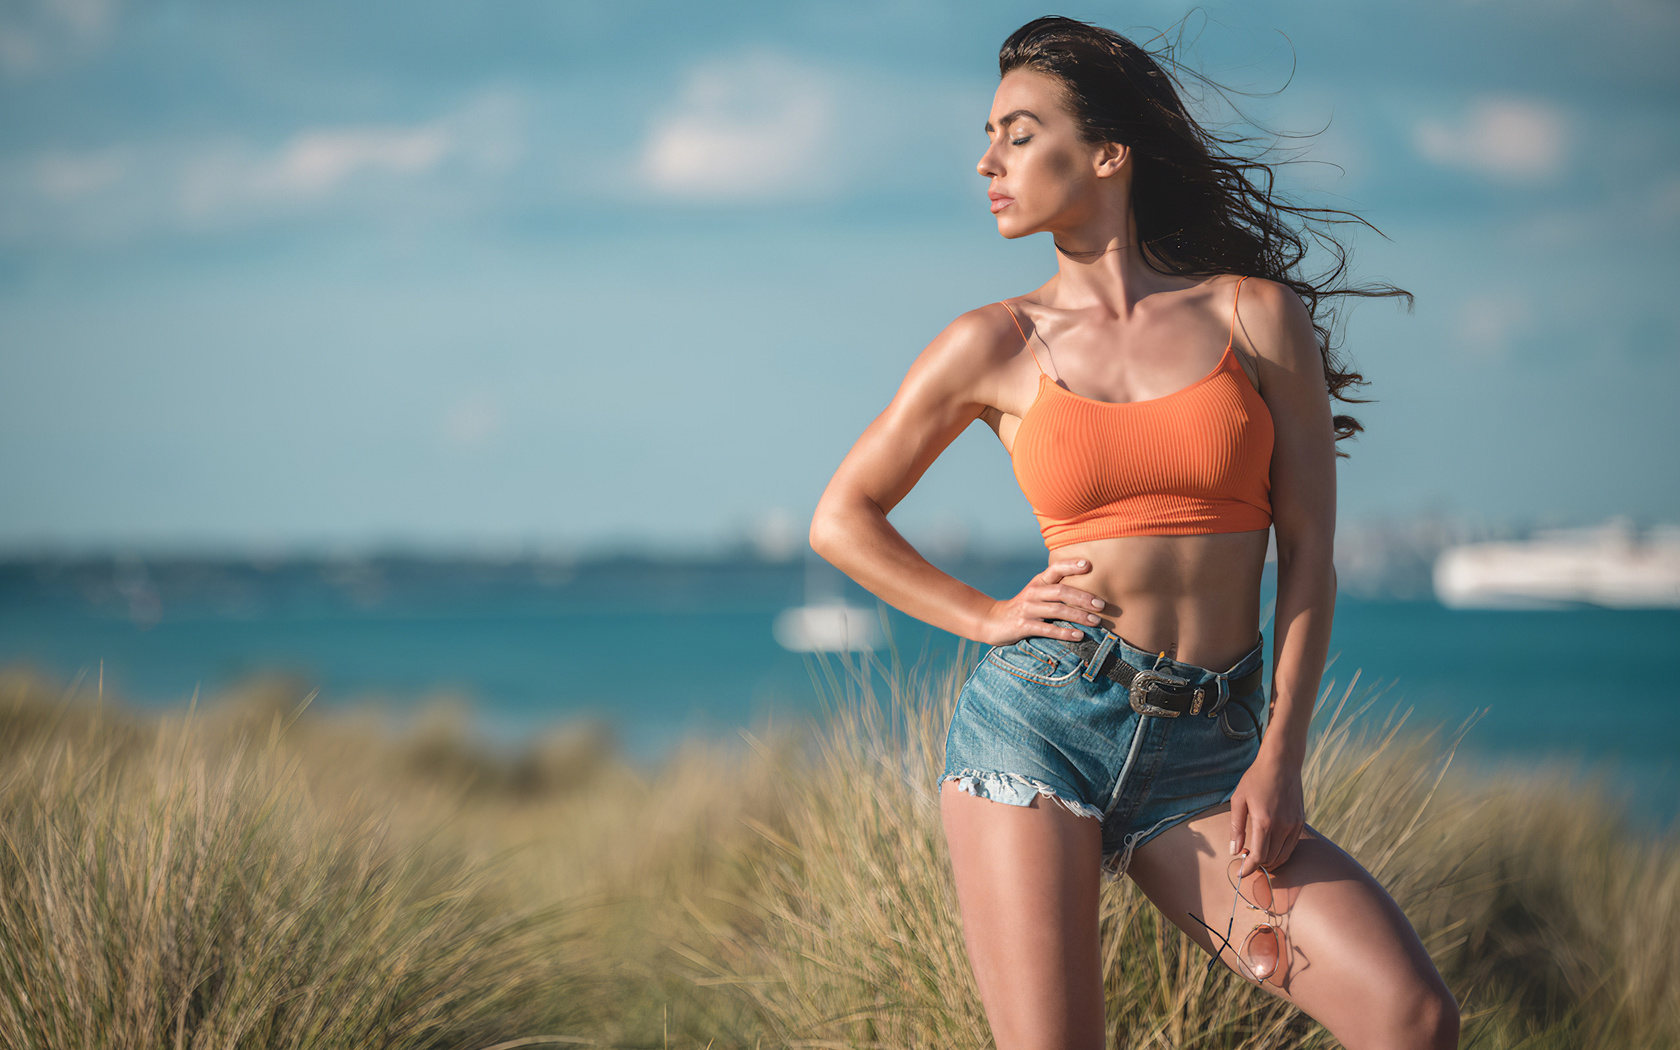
{"x":1138,"y":692}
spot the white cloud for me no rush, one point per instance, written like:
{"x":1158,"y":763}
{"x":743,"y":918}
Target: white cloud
{"x":1506,"y":138}
{"x":319,"y":160}
{"x":1323,"y":150}
{"x":777,"y":535}
{"x":87,"y":17}
{"x":67,"y":176}
{"x":35,"y":34}
{"x":312,"y":164}
{"x":744,"y":129}
{"x":1489,"y":321}
{"x":119,"y":191}
{"x":1641,"y":214}
{"x":473,"y":422}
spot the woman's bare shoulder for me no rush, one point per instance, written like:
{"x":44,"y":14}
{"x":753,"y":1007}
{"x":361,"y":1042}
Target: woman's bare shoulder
{"x":984,"y":334}
{"x":1275,"y":324}
{"x":973,"y":349}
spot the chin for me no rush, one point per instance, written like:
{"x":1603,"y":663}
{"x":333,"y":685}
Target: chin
{"x":1012,"y":230}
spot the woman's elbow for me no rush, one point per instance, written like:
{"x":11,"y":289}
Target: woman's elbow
{"x":821,"y":536}
{"x":828,"y":526}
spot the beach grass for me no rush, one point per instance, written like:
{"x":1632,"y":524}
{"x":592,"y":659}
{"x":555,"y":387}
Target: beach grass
{"x":256,"y":872}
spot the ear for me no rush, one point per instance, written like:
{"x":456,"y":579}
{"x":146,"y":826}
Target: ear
{"x":1110,"y":158}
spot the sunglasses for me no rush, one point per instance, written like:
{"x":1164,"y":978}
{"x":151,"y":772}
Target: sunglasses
{"x":1263,"y":953}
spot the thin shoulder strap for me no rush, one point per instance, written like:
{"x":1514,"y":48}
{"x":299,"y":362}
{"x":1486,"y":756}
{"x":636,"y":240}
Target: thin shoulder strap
{"x":1024,"y":339}
{"x":1233,"y":338}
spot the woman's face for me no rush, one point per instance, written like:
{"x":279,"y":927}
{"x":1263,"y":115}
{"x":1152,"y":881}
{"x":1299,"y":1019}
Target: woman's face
{"x":1042,"y":175}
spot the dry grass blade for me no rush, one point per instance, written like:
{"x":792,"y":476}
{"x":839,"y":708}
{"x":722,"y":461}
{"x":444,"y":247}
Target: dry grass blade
{"x":257,"y":874}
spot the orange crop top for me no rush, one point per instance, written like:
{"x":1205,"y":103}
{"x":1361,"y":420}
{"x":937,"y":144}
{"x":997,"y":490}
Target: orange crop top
{"x":1194,"y":462}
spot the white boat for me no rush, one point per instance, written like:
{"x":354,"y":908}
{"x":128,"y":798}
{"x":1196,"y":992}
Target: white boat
{"x":826,"y":623}
{"x":1608,"y":565}
{"x":831,"y":627}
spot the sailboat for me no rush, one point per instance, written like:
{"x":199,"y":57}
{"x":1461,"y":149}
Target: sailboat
{"x":826,"y":623}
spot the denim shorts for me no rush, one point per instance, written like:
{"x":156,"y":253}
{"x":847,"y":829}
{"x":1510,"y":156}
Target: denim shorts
{"x":1032,"y":720}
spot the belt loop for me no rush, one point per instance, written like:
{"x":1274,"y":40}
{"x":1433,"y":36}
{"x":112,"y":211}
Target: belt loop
{"x":1093,"y":667}
{"x":1224,"y":695}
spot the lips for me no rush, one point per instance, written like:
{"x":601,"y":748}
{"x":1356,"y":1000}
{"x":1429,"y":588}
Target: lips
{"x":1000,"y":201}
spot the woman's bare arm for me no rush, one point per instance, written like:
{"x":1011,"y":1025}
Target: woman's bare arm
{"x":1267,"y":813}
{"x":950,"y":384}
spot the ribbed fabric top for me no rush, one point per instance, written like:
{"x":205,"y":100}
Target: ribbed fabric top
{"x":1194,"y":462}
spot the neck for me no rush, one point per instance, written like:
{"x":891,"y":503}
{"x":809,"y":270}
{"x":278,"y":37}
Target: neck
{"x":1100,"y":264}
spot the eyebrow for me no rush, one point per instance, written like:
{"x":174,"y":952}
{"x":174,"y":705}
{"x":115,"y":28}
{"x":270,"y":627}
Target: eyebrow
{"x":1011,"y":118}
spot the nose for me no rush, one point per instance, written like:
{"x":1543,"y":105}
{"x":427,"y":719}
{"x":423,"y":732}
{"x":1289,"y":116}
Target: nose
{"x":988,"y":167}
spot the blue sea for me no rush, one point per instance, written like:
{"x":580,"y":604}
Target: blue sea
{"x":662,"y":648}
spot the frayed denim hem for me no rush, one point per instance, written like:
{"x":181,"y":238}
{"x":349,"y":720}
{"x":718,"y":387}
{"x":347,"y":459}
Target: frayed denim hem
{"x":1014,"y":789}
{"x":1115,"y":864}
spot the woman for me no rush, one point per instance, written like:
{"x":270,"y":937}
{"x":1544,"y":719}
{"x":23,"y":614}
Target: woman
{"x":1125,"y":681}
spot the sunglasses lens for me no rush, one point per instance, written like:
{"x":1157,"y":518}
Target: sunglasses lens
{"x":1261,"y":952}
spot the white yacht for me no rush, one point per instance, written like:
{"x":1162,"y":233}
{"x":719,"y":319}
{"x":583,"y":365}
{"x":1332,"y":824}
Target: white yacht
{"x":1610,"y":565}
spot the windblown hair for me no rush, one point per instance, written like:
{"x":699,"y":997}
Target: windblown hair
{"x":1201,"y":209}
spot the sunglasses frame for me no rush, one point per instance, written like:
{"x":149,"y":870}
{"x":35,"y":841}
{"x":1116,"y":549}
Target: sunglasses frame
{"x":1239,"y":952}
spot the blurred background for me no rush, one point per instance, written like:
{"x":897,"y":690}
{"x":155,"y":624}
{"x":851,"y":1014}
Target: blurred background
{"x":500,"y":353}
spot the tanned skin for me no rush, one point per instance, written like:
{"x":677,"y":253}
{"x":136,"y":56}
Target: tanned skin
{"x":1109,"y":327}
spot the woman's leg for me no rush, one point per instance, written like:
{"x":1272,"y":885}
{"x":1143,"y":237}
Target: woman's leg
{"x":1027,"y":883}
{"x":1356,"y":965}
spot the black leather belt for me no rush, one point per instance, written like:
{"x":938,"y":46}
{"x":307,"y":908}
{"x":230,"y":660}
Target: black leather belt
{"x":1161,"y":694}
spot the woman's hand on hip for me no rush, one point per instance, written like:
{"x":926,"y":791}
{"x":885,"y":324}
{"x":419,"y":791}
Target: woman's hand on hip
{"x":1268,"y":813}
{"x":1045,"y":598}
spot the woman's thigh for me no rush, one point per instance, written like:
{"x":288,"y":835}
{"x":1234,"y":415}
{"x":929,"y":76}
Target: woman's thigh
{"x":1027,"y":882}
{"x":1355,"y":964}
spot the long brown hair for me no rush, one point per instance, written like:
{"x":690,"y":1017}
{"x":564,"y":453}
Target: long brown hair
{"x":1201,"y":208}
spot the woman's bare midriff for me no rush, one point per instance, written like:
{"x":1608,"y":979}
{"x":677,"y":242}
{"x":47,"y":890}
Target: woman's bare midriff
{"x":1195,"y":597}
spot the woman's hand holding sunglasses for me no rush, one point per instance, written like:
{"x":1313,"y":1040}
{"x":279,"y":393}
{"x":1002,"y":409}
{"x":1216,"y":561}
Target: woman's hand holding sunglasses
{"x":1268,"y":813}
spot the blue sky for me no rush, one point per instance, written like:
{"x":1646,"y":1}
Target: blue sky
{"x":586,"y":274}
